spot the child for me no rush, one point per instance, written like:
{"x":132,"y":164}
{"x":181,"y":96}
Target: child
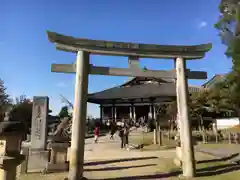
{"x":96,"y":134}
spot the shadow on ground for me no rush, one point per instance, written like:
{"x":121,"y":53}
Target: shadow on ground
{"x":211,"y":170}
{"x":217,"y":170}
{"x":204,"y":172}
{"x":119,"y":168}
{"x":118,"y":160}
{"x":219,"y":159}
{"x":154,"y":176}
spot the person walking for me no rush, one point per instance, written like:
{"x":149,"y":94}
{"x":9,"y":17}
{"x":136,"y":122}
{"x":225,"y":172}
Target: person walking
{"x":121,"y":134}
{"x":125,"y":136}
{"x":96,"y":134}
{"x":112,"y":130}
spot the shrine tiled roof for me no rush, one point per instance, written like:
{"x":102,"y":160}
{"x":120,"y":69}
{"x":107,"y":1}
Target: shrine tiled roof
{"x":150,"y":90}
{"x":214,"y":80}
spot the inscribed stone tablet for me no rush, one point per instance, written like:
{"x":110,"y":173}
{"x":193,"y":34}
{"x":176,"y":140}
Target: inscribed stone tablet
{"x":39,"y":122}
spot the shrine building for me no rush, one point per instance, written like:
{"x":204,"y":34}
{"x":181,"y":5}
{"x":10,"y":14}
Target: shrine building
{"x":136,"y":98}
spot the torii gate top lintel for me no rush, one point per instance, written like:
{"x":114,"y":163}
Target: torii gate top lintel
{"x":71,"y":44}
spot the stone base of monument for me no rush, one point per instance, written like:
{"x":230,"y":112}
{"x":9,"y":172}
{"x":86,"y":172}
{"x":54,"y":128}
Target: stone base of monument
{"x":22,"y":168}
{"x":58,"y":157}
{"x":59,"y":167}
{"x":37,"y":160}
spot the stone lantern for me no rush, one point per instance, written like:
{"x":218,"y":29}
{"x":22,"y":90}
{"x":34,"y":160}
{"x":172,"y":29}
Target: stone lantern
{"x":11,"y":135}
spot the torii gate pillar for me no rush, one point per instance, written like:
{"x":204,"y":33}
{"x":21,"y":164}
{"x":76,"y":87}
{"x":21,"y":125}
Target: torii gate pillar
{"x":79,"y":116}
{"x":184,"y":120}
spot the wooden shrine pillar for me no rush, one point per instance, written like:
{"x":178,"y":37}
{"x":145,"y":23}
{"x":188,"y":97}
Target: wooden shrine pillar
{"x":134,"y":112}
{"x":150,"y":114}
{"x":154,"y":112}
{"x":157,"y":120}
{"x":155,"y":134}
{"x":79,"y":116}
{"x":130,"y":112}
{"x":101,"y":113}
{"x":112,"y":114}
{"x":115,"y":113}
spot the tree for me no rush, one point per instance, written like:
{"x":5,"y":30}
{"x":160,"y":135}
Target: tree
{"x":64,"y":112}
{"x":167,"y":111}
{"x":22,"y":111}
{"x":229,"y":28}
{"x":198,"y":106}
{"x":4,"y":100}
{"x":225,"y":96}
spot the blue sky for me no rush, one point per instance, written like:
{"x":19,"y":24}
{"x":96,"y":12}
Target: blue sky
{"x":26,"y":54}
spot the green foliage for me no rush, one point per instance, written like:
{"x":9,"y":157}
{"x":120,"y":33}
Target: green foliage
{"x":22,"y":111}
{"x":167,"y":110}
{"x":198,"y":103}
{"x":229,"y":91}
{"x":230,"y":15}
{"x":4,"y":100}
{"x":64,"y":112}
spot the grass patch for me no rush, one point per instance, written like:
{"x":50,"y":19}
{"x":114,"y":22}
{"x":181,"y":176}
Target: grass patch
{"x":221,"y":146}
{"x":214,"y":170}
{"x":234,"y":129}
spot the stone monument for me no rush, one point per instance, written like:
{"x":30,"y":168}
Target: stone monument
{"x":38,"y":152}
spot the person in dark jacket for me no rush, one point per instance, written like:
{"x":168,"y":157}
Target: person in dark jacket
{"x":126,"y":131}
{"x":121,"y":134}
{"x":113,"y":129}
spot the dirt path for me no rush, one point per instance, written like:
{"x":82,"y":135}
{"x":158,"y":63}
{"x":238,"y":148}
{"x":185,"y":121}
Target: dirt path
{"x":109,"y":149}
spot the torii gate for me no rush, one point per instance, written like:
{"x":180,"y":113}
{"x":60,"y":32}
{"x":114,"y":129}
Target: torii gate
{"x":82,"y":68}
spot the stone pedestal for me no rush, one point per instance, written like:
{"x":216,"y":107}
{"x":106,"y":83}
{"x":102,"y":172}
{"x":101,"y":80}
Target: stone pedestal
{"x":58,"y":157}
{"x":8,"y":165}
{"x":22,"y":169}
{"x":37,"y":160}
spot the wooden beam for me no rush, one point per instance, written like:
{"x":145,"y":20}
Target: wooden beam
{"x":98,"y":70}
